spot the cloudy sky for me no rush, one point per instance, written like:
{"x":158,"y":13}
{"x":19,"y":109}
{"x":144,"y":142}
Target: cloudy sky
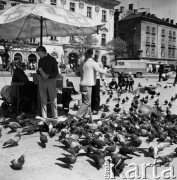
{"x":162,"y":8}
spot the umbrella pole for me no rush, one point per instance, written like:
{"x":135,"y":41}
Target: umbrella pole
{"x":41,"y":30}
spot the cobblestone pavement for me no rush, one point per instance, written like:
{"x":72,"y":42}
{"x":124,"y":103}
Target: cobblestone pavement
{"x":42,"y":164}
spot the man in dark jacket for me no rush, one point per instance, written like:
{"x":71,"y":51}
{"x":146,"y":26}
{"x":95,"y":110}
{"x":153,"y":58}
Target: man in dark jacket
{"x":47,"y":72}
{"x":29,"y":89}
{"x":160,"y":70}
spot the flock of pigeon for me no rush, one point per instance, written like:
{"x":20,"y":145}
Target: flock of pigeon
{"x":116,"y":134}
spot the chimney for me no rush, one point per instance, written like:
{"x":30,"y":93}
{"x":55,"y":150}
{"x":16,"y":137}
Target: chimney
{"x":135,"y":11}
{"x":163,"y":19}
{"x":172,"y":21}
{"x":122,"y":9}
{"x":130,"y":6}
{"x":167,"y":20}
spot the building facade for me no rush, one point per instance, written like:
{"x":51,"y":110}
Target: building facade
{"x":148,"y":37}
{"x":60,"y":47}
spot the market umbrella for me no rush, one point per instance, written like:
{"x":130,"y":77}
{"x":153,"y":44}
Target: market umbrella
{"x":26,"y":21}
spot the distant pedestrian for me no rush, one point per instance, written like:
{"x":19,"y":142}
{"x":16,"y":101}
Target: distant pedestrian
{"x":126,"y":83}
{"x":130,"y":82}
{"x":160,"y":70}
{"x":120,"y":80}
{"x":175,"y":80}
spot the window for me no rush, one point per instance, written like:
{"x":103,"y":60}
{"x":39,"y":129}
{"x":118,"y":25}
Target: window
{"x":53,"y":38}
{"x":17,"y":57}
{"x":1,"y":7}
{"x":153,"y":39}
{"x":163,"y":40}
{"x":72,"y":6}
{"x":174,"y":34}
{"x":148,"y":39}
{"x":147,"y":52}
{"x":169,"y":53}
{"x":170,"y":33}
{"x":103,"y":15}
{"x":53,"y":2}
{"x":89,"y":12}
{"x":103,"y":39}
{"x":131,"y":51}
{"x":153,"y":30}
{"x":153,"y":52}
{"x":32,"y":40}
{"x":163,"y":31}
{"x":147,"y":29}
{"x":169,"y":41}
{"x":174,"y":42}
{"x":162,"y":52}
{"x":173,"y":53}
{"x":132,"y":38}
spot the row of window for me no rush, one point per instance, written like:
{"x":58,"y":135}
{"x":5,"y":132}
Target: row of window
{"x":152,"y":39}
{"x":89,"y":10}
{"x":151,"y":52}
{"x":162,"y":32}
{"x":54,"y":38}
{"x":148,"y":29}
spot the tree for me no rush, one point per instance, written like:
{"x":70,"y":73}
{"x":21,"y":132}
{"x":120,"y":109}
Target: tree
{"x":117,"y":47}
{"x":83,"y":43}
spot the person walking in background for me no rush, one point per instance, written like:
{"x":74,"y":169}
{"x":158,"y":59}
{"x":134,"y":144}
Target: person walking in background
{"x":47,"y":72}
{"x":175,"y":80}
{"x":120,"y":80}
{"x":95,"y":102}
{"x":87,"y":70}
{"x":160,"y":70}
{"x":130,"y":82}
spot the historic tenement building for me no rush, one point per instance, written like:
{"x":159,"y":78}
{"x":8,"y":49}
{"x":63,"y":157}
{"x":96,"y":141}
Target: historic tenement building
{"x":147,"y":36}
{"x":60,"y":47}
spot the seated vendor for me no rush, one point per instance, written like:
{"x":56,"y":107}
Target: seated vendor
{"x":29,"y":89}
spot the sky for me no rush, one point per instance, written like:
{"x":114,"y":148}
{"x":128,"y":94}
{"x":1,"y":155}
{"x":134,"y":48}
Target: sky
{"x":161,"y":8}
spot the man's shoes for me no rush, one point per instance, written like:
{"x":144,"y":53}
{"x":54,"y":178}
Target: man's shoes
{"x":94,"y":112}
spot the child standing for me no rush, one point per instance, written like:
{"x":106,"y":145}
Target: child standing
{"x":130,"y":82}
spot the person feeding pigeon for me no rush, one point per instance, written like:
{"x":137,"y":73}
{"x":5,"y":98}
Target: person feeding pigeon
{"x":95,"y":102}
{"x":87,"y":70}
